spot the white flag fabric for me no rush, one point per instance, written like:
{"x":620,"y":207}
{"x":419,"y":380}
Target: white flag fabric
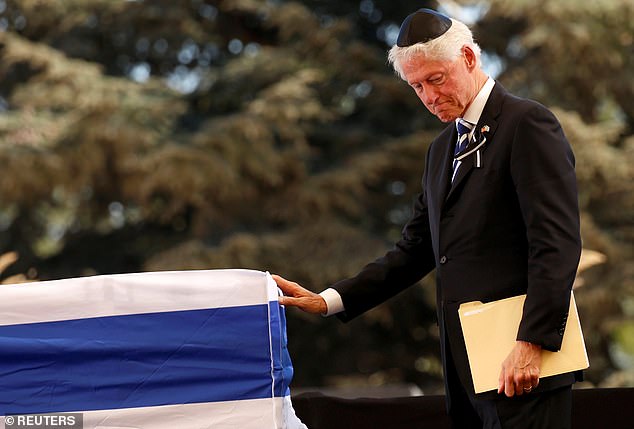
{"x":185,"y":349}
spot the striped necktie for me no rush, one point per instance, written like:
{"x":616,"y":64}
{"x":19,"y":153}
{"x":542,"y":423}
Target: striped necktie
{"x":464,"y":128}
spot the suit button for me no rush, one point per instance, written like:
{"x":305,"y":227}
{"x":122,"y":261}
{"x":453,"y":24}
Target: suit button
{"x":443,"y":259}
{"x":561,"y":332}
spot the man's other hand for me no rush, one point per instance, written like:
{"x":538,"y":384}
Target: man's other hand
{"x":520,"y":370}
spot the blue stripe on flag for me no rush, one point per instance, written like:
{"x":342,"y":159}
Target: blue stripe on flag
{"x":282,"y":365}
{"x":143,"y":360}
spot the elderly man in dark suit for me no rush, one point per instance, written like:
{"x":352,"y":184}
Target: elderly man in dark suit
{"x":497,"y":217}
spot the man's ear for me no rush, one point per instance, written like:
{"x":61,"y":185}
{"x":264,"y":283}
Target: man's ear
{"x":470,"y":57}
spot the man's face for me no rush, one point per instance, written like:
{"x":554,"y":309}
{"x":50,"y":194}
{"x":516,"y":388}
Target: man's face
{"x":446,"y":88}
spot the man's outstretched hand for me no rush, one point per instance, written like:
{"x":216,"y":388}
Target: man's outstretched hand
{"x":297,"y":296}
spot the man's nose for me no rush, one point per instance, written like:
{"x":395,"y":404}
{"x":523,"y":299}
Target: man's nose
{"x":429,"y":95}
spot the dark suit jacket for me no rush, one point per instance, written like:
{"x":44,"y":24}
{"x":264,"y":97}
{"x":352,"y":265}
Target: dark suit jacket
{"x":506,"y":227}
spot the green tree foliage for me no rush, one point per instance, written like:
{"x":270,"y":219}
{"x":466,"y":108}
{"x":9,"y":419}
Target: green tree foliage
{"x":196,"y":134}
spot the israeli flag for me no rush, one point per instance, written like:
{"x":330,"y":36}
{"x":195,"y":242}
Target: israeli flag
{"x":188,"y":349}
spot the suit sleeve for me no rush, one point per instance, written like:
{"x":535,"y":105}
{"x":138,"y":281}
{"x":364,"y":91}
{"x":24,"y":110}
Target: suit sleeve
{"x":407,"y":262}
{"x":542,"y":167}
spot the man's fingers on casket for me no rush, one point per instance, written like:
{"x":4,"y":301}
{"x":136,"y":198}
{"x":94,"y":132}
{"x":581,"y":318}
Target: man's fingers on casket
{"x":288,"y":287}
{"x":290,"y":301}
{"x":296,"y":296}
{"x":313,"y":304}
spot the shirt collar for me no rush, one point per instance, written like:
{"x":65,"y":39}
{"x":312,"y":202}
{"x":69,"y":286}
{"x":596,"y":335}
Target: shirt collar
{"x":473,"y":113}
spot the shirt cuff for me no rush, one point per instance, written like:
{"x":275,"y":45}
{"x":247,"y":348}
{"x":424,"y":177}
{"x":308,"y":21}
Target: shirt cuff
{"x":334,"y":303}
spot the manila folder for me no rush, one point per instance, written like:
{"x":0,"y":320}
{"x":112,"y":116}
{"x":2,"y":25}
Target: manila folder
{"x":490,"y":331}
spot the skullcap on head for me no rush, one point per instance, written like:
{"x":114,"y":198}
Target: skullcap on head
{"x":422,"y":26}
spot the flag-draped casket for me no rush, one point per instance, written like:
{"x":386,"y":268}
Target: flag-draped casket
{"x":188,"y":349}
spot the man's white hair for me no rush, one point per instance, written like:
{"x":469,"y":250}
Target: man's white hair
{"x":448,"y":46}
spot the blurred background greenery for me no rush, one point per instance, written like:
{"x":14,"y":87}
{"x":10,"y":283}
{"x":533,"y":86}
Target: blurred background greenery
{"x":198,"y":134}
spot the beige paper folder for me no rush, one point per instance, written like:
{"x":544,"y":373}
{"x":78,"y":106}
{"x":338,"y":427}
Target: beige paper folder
{"x":490,"y":331}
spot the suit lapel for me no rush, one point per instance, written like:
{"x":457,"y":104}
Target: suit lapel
{"x":441,"y":174}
